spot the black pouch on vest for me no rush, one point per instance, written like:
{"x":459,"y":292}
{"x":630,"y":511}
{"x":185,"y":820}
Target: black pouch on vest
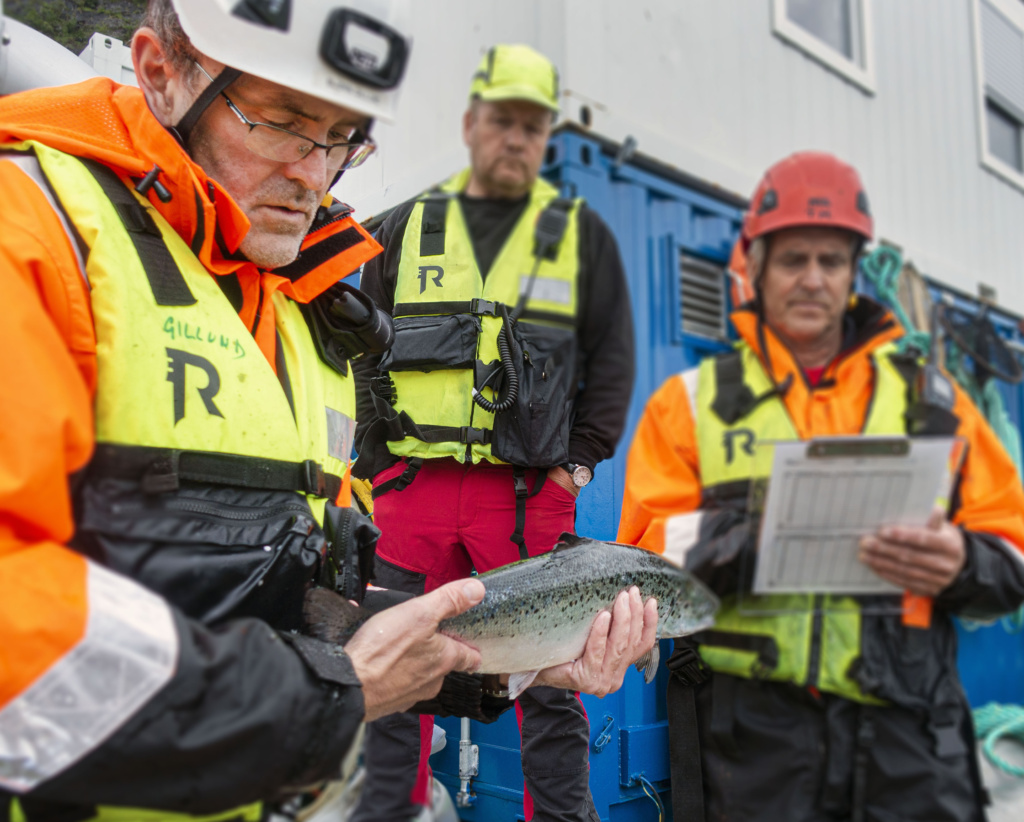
{"x":351,"y":546}
{"x":433,"y":343}
{"x":535,"y":431}
{"x":214,"y":552}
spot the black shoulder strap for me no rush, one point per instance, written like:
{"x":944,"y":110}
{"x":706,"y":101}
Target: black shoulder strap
{"x":733,"y":398}
{"x":435,"y":214}
{"x":687,"y":671}
{"x":165,"y":278}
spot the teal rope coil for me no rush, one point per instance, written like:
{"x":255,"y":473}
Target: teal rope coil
{"x":994,"y":722}
{"x":882,"y":268}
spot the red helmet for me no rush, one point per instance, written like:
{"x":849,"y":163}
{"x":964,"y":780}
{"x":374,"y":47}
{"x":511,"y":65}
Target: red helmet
{"x":808,"y":188}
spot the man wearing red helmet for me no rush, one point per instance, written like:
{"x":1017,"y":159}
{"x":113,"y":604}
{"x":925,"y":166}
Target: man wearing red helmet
{"x":824,"y":707}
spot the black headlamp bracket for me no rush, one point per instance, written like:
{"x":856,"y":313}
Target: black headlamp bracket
{"x":340,"y":49}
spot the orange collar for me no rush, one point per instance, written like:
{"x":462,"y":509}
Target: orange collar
{"x":875,"y":327}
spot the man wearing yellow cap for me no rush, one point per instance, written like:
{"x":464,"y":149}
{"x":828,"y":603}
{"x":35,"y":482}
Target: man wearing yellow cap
{"x":508,"y":382}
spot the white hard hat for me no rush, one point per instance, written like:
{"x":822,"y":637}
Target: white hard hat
{"x":349,"y":52}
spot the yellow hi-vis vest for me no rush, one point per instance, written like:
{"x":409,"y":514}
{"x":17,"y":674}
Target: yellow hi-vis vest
{"x":805,"y":639}
{"x":177,"y":368}
{"x":446,"y":326}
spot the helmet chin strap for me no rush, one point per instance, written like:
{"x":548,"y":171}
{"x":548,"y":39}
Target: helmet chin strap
{"x":183,"y":130}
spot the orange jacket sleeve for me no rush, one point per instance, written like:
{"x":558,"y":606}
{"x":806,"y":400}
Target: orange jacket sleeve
{"x":991,"y":497}
{"x":48,"y":368}
{"x":662,"y":469}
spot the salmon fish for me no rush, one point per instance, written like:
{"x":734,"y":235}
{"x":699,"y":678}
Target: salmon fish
{"x":537,"y":612}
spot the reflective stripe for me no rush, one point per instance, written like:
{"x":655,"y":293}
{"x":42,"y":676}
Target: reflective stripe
{"x":682,"y":533}
{"x":691,"y":379}
{"x":128,"y":653}
{"x":30,"y":165}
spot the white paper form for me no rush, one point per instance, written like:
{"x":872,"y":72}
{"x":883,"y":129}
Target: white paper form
{"x":825,"y":494}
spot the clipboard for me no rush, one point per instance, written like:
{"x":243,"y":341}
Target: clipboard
{"x":823,"y":495}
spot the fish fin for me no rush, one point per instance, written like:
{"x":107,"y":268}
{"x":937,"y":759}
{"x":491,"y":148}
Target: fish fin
{"x":330,"y":617}
{"x":648,"y":663}
{"x":517,"y":683}
{"x":568,"y":540}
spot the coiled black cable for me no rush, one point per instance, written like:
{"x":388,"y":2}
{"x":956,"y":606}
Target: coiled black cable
{"x":509,"y":351}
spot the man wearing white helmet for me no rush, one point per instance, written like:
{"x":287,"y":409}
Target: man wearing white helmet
{"x":176,"y":419}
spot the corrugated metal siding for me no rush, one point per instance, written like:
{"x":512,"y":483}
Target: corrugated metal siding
{"x":707,"y":87}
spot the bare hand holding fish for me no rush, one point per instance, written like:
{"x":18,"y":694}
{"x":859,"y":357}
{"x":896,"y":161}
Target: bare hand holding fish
{"x":616,"y":641}
{"x":400,"y":657}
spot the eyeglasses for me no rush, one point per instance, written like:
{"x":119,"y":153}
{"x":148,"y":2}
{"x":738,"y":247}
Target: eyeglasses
{"x":284,"y":146}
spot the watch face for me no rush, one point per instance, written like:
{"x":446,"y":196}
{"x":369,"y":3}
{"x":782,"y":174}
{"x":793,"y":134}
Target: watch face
{"x":581,"y":476}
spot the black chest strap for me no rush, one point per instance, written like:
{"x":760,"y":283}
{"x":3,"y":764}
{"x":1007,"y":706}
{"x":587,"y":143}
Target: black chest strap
{"x":160,"y":470}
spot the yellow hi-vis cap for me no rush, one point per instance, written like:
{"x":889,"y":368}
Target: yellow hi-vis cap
{"x":516,"y":72}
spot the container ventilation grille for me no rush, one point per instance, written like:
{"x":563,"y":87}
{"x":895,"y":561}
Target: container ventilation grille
{"x":702,"y":297}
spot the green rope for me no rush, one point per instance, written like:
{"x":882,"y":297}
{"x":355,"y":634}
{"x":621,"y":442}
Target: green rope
{"x":994,"y":722}
{"x":882,"y":268}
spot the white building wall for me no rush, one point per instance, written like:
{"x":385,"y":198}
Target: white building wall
{"x":707,"y":87}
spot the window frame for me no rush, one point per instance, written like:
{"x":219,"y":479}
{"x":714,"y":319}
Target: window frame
{"x":1013,"y":10}
{"x":862,"y":76}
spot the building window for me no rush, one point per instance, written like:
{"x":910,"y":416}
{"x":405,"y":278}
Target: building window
{"x":1003,"y":135}
{"x":1000,"y":49}
{"x":836,"y":33}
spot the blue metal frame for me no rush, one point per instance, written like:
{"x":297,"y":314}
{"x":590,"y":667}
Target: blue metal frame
{"x":653,"y":219}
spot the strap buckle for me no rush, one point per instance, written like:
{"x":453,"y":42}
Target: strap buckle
{"x":945,"y":731}
{"x":481,"y":306}
{"x":313,"y":479}
{"x":162,"y":474}
{"x":384,"y":388}
{"x":687,"y":665}
{"x":469,"y":436}
{"x":520,"y":483}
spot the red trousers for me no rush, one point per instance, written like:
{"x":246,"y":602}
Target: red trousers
{"x":454,"y":518}
{"x":451,"y":519}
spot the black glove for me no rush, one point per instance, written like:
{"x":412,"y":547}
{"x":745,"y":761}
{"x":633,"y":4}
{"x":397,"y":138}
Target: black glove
{"x":346,"y":324}
{"x":475,"y":696}
{"x":726,"y":551}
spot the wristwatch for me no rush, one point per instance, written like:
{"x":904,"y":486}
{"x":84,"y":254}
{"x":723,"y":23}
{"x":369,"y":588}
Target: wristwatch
{"x":580,"y":474}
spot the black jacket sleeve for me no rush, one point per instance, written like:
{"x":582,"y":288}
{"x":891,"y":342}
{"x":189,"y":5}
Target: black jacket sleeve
{"x":991,"y":582}
{"x":726,"y":551}
{"x":606,"y":346}
{"x":246,"y":716}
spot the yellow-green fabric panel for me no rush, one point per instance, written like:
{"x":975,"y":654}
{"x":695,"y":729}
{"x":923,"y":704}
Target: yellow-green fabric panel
{"x":317,"y":387}
{"x":247,"y":813}
{"x":840,"y":643}
{"x":727,"y":453}
{"x":889,"y":401}
{"x":142,"y":347}
{"x":785,"y":617}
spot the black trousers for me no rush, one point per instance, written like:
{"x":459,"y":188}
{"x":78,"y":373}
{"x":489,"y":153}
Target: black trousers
{"x":772,"y":751}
